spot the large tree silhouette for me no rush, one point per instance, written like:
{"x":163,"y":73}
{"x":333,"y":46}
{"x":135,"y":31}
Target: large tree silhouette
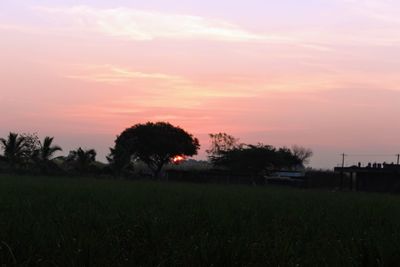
{"x":155,"y":144}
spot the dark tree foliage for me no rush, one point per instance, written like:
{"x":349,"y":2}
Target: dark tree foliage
{"x":31,"y":143}
{"x":256,"y":159}
{"x":304,"y":154}
{"x":43,"y":155}
{"x":14,"y":150}
{"x":286,"y":159}
{"x":25,"y":152}
{"x":221,"y":142}
{"x":81,"y":160}
{"x":119,"y":164}
{"x":46,"y":149}
{"x":155,"y":144}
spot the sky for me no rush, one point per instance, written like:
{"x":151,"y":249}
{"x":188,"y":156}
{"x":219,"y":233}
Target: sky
{"x":323,"y":74}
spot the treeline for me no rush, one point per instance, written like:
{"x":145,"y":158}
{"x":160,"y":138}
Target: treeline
{"x":149,"y":145}
{"x":26,"y":153}
{"x":227,"y":152}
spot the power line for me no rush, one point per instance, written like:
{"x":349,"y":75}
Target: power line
{"x":371,"y":155}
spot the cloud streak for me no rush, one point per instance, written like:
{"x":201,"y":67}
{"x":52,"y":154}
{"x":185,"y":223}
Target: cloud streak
{"x":158,"y":89}
{"x":115,"y":74}
{"x":140,"y":25}
{"x":143,"y":25}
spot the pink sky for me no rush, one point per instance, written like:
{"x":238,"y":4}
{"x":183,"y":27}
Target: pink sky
{"x":322,"y":74}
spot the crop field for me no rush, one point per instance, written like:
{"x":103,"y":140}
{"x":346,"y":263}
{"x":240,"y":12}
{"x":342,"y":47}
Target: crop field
{"x":87,"y":222}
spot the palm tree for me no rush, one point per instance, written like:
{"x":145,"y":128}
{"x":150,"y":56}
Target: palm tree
{"x":46,"y":150}
{"x":14,"y":149}
{"x":44,"y":154}
{"x":82,"y":159}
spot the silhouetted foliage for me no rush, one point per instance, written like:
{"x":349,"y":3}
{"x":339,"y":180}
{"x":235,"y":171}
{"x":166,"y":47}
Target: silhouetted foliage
{"x":143,"y":149}
{"x":14,"y":150}
{"x":118,"y":164}
{"x":26,"y":153}
{"x":31,"y":144}
{"x":256,"y":159}
{"x":155,"y":144}
{"x":221,"y":142}
{"x":43,"y":155}
{"x":286,"y":159}
{"x":304,"y":154}
{"x":81,"y":160}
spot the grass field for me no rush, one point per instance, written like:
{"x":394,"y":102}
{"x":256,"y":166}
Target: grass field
{"x":84,"y":222}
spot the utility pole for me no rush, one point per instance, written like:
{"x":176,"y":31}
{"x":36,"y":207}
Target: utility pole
{"x":341,"y":173}
{"x":398,"y":159}
{"x":343,"y":157}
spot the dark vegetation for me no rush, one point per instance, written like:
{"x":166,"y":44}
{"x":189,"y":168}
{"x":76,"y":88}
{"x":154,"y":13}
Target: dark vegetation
{"x":154,"y":144}
{"x":47,"y":219}
{"x":84,"y":222}
{"x":145,"y":151}
{"x":254,"y":159}
{"x":26,"y":154}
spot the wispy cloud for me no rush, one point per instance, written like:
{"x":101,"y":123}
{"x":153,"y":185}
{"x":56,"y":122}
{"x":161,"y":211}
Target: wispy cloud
{"x":379,"y":17}
{"x":115,"y":74}
{"x":143,"y":25}
{"x":159,"y":89}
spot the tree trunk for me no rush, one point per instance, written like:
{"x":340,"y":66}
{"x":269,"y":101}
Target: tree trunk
{"x":157,"y":171}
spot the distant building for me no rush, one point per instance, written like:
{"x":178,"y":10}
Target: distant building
{"x":374,"y":177}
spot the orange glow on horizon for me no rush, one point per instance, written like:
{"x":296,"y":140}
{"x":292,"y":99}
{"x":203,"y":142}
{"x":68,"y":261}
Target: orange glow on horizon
{"x":84,"y":73}
{"x":178,"y":159}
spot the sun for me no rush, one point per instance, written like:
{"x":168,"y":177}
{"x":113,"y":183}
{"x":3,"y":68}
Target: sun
{"x":178,"y":159}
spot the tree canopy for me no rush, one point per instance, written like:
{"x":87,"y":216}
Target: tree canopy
{"x":304,"y":154}
{"x":155,"y":144}
{"x":81,"y":159}
{"x":255,"y":159}
{"x":221,"y":142}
